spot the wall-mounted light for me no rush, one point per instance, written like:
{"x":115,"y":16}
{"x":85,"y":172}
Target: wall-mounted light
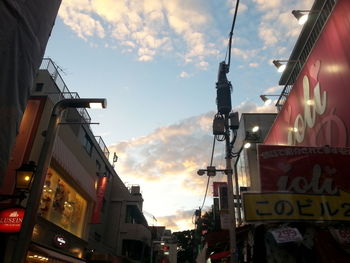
{"x":247,"y":145}
{"x":266,"y":99}
{"x":282,"y":66}
{"x":303,"y":15}
{"x":24,"y":176}
{"x":255,"y":128}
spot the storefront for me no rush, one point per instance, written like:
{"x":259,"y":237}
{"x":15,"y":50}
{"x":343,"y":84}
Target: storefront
{"x":59,"y":232}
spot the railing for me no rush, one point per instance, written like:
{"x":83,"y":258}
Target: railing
{"x":308,"y":46}
{"x":65,"y":93}
{"x":49,"y":65}
{"x":102,"y":145}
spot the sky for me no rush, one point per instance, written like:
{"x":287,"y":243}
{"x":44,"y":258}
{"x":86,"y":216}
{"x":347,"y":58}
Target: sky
{"x":156,"y":63}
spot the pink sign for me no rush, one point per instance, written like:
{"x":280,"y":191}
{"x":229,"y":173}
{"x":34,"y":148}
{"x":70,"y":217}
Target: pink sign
{"x":316,"y":112}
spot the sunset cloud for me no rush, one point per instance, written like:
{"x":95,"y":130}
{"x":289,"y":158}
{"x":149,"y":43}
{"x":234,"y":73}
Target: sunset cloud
{"x":167,"y":161}
{"x":148,"y":27}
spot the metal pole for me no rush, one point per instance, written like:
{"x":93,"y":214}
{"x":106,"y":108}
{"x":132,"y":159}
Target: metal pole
{"x":231,"y":209}
{"x":33,"y":202}
{"x":237,"y":186}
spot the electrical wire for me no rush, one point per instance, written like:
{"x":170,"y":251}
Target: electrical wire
{"x":230,"y":39}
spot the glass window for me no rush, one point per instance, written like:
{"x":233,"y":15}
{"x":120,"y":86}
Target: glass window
{"x":87,"y":144}
{"x":62,"y":205}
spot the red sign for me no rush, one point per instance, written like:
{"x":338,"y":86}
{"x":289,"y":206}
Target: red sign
{"x":11,"y":220}
{"x":101,"y":189}
{"x":316,"y":112}
{"x":304,"y":170}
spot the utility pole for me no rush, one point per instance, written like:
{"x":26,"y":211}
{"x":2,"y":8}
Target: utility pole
{"x":223,"y":99}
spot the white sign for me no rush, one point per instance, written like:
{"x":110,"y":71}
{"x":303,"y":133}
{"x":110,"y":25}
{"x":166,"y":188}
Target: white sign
{"x":284,"y":235}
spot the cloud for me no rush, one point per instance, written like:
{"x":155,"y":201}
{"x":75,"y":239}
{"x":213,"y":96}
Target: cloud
{"x":165,"y":163}
{"x":145,"y":26}
{"x":273,"y":90}
{"x":184,"y":74}
{"x":277,"y":26}
{"x":253,"y":65}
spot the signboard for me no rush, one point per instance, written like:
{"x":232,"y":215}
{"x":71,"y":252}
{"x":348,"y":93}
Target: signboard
{"x":313,"y":170}
{"x":285,"y":235}
{"x":296,"y":207}
{"x":317,"y":108}
{"x":11,"y":220}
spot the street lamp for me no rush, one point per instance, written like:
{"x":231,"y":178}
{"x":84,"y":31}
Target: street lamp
{"x":24,"y":178}
{"x":33,"y":201}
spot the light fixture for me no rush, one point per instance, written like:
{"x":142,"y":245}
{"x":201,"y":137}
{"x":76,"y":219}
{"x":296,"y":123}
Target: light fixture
{"x":24,"y":176}
{"x":92,"y":103}
{"x":267,"y":100}
{"x":303,"y":15}
{"x":247,"y":145}
{"x":255,"y":128}
{"x":281,"y":67}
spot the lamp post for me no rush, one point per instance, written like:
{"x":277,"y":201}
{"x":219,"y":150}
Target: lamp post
{"x":24,"y":178}
{"x":33,"y":202}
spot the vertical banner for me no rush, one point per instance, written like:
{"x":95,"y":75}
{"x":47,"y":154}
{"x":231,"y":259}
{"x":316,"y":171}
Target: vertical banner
{"x":100,"y":192}
{"x":25,"y":27}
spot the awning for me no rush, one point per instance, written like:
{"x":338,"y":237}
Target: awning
{"x":57,"y":257}
{"x":220,"y":255}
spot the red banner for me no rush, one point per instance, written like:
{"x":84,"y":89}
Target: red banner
{"x":316,"y":112}
{"x":304,"y":170}
{"x":11,"y":220}
{"x":100,"y":192}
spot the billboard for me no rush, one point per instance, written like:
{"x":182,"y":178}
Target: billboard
{"x":316,"y":110}
{"x":312,"y":170}
{"x":300,"y":183}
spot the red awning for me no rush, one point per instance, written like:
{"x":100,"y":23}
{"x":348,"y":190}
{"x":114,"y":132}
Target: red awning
{"x":220,"y":255}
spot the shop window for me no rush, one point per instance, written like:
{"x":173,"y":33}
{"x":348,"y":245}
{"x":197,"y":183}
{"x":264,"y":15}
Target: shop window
{"x":62,"y":205}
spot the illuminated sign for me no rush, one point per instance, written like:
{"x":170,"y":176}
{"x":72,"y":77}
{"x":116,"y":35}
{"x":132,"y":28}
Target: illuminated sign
{"x":100,"y":192}
{"x":296,"y":207}
{"x":11,"y":220}
{"x":59,"y":241}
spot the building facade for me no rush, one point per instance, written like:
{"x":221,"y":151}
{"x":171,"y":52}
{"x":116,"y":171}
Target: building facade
{"x":81,"y":190}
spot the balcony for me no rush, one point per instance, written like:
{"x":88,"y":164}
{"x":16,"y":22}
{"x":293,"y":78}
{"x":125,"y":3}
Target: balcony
{"x":64,"y":92}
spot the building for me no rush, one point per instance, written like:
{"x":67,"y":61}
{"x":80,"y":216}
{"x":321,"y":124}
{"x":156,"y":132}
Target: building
{"x":300,"y":206}
{"x":82,"y":196}
{"x":122,"y":233}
